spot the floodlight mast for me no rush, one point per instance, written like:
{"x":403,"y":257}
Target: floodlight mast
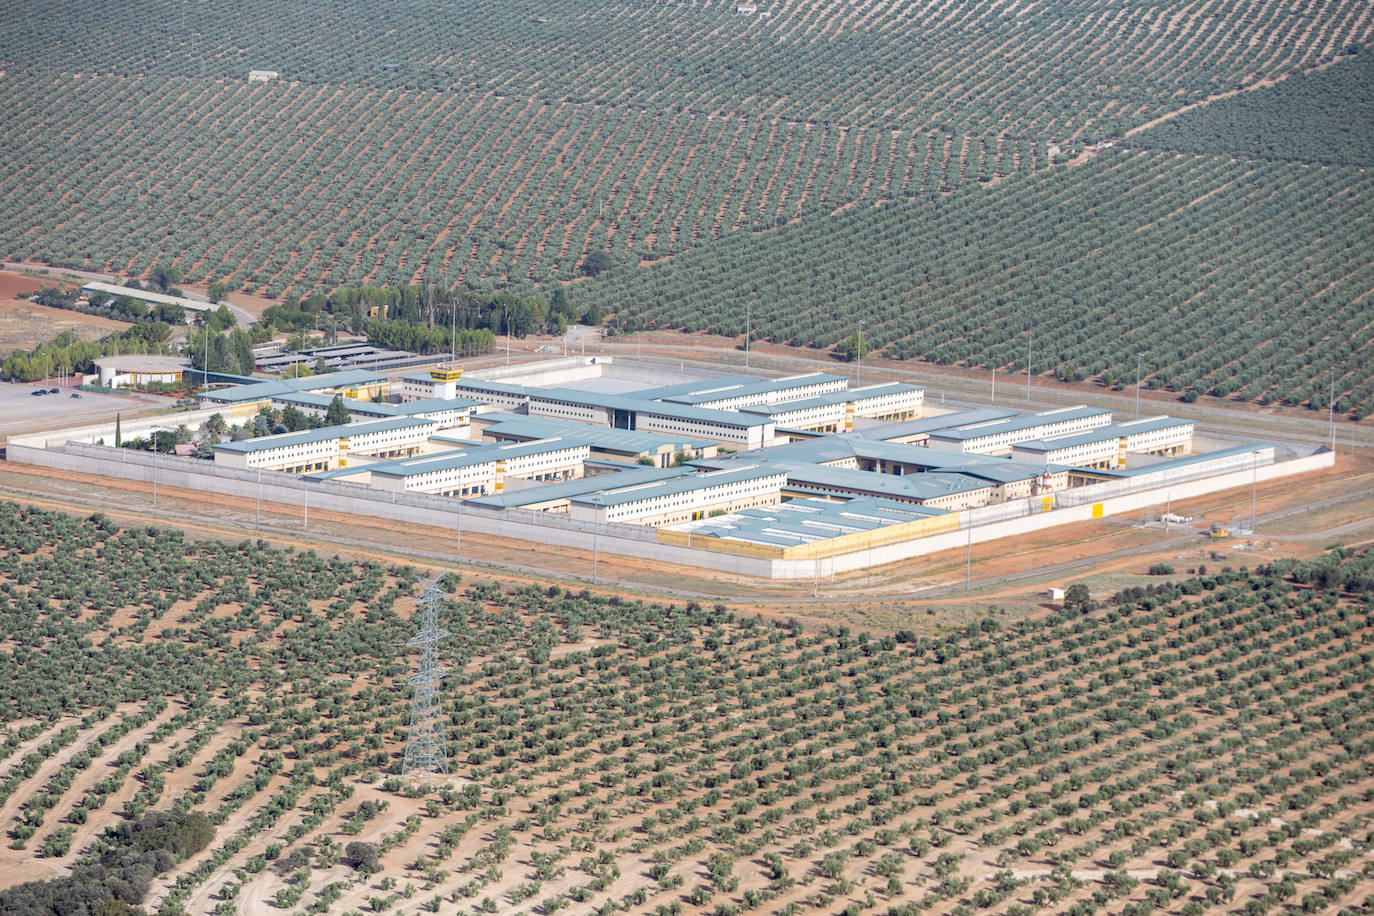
{"x":425,"y":756}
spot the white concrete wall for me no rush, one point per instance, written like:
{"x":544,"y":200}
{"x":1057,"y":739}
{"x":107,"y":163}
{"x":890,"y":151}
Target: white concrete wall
{"x":545,"y":374}
{"x":548,"y":530}
{"x":130,"y":428}
{"x":1039,"y":521}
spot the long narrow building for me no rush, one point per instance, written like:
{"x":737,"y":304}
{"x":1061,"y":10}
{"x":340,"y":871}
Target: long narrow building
{"x":733,"y":394}
{"x":328,"y":447}
{"x":1108,"y":446}
{"x":998,"y":436}
{"x":680,"y":499}
{"x":621,"y":412}
{"x":482,"y":469}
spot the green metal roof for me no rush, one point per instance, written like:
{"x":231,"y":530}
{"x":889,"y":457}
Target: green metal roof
{"x":322,"y":434}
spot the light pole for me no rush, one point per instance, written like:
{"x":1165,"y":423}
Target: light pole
{"x":859,"y":380}
{"x":205,"y":366}
{"x":458,"y":547}
{"x":1138,"y":357}
{"x":1331,"y":410}
{"x":992,"y":397}
{"x":596,"y":501}
{"x":1030,"y":339}
{"x":748,"y":332}
{"x":257,"y":512}
{"x":968,"y":560}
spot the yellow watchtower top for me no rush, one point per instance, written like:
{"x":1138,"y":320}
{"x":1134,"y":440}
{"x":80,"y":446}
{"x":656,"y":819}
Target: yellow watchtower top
{"x":445,"y":374}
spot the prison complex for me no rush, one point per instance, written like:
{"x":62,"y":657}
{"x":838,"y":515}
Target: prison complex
{"x":783,"y":471}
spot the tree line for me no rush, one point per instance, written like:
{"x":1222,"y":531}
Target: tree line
{"x":67,"y":353}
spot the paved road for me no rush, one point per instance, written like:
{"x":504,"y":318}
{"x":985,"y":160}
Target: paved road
{"x":22,"y":412}
{"x":220,"y":523}
{"x":61,"y":271}
{"x":244,"y":318}
{"x":1187,"y":536}
{"x":957,"y":391}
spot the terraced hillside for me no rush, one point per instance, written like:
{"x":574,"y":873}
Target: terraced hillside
{"x":1196,"y":747}
{"x":502,"y":142}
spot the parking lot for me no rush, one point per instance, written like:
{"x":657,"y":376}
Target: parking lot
{"x":21,"y":410}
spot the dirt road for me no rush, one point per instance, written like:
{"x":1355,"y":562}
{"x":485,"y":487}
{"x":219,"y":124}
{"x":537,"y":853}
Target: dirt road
{"x":1011,"y":571}
{"x":243,"y":317}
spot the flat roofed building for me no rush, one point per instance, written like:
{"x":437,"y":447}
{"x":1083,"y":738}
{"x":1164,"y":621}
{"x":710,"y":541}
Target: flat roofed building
{"x":449,"y":413}
{"x":353,"y":356}
{"x":1159,"y":435}
{"x":351,"y":383}
{"x":678,"y":389}
{"x":892,"y":401}
{"x":632,"y":413}
{"x":556,"y":497}
{"x":998,"y":436}
{"x":812,"y":519}
{"x":835,"y":412}
{"x":438,"y":382}
{"x":459,"y":474}
{"x":501,"y":395}
{"x":1186,"y":467}
{"x":1093,"y":449}
{"x":151,"y":298}
{"x":916,"y":432}
{"x":735,"y":395}
{"x":814,"y":414}
{"x":482,"y":469}
{"x":605,"y":442}
{"x":939,"y":489}
{"x":1108,"y":446}
{"x":133,"y":371}
{"x":328,"y":447}
{"x":680,"y":499}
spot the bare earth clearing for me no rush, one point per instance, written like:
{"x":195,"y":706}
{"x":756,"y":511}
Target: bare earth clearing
{"x":24,"y":325}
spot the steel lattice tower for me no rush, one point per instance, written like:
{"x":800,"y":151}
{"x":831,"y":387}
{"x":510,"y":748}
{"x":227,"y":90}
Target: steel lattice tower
{"x":425,"y":755}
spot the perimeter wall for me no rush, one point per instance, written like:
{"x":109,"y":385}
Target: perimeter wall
{"x":545,"y":531}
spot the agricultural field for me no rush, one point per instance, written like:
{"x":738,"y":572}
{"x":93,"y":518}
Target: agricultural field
{"x":1199,"y":746}
{"x":1130,"y":252}
{"x":996,"y":66}
{"x":503,"y":143}
{"x":1322,"y":118}
{"x":284,"y":188}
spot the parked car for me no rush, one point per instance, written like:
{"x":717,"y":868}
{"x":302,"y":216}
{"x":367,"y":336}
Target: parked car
{"x":37,"y":391}
{"x":54,"y":391}
{"x":76,"y":394}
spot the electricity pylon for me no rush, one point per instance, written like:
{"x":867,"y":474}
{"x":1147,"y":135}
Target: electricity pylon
{"x":425,"y":755}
